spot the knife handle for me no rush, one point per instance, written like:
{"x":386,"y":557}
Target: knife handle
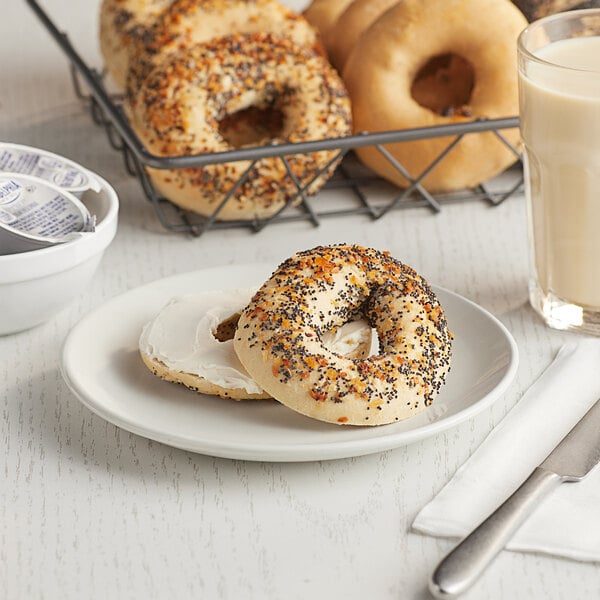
{"x":463,"y":565}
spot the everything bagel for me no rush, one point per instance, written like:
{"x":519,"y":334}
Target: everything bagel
{"x":122,"y":23}
{"x":188,"y":22}
{"x":279,"y":337}
{"x":241,"y":90}
{"x":190,"y":341}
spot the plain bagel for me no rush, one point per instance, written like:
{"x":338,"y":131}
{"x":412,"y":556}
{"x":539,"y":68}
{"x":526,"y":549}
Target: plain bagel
{"x":350,"y":25}
{"x":436,"y":62}
{"x":241,"y":90}
{"x":323,"y":14}
{"x":279,"y":337}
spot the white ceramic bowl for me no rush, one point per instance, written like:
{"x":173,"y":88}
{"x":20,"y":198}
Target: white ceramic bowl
{"x":35,"y":285}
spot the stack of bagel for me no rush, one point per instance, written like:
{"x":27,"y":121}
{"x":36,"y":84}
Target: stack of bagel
{"x":209,"y":76}
{"x":419,"y":63}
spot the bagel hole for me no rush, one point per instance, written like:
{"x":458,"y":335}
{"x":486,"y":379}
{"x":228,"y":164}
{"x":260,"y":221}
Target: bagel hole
{"x":252,"y":126}
{"x":225,"y":330}
{"x":444,"y":84}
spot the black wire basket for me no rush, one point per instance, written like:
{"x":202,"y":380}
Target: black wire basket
{"x":356,"y":180}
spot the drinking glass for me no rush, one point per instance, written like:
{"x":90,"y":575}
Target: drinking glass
{"x":559,"y":99}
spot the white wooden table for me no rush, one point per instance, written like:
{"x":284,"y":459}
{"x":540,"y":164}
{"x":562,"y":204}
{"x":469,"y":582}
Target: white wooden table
{"x":91,"y":511}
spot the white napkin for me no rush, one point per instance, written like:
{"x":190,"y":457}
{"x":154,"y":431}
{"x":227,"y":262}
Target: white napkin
{"x":567,"y":523}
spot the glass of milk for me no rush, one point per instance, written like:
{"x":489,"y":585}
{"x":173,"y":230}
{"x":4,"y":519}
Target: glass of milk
{"x":559,"y":92}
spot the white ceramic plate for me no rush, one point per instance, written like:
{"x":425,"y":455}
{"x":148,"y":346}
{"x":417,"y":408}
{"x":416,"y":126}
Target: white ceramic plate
{"x":101,"y":365}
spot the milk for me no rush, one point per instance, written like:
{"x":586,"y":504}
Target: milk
{"x":560,"y":127}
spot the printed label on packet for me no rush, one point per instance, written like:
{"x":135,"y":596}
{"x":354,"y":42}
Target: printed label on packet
{"x":35,"y":214}
{"x":60,"y":171}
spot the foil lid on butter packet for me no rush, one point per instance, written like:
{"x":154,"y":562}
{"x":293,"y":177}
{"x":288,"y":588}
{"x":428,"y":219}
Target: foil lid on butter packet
{"x":66,"y":174}
{"x":35,"y":213}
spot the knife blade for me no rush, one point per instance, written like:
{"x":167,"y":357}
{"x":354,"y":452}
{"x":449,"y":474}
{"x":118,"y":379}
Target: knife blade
{"x":579,"y":451}
{"x":572,"y":459}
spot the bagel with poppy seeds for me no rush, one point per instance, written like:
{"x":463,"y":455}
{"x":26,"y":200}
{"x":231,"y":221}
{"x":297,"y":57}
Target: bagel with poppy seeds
{"x":190,"y":104}
{"x":121,"y":24}
{"x":190,"y":341}
{"x":189,"y":22}
{"x":279,"y":336}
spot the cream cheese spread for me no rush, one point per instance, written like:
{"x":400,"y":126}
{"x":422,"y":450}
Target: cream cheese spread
{"x":181,"y":336}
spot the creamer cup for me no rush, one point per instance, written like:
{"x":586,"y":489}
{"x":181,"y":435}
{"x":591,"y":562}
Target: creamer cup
{"x":66,"y":174}
{"x":35,"y":213}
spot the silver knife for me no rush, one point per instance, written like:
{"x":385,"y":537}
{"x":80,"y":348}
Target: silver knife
{"x":573,"y":458}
